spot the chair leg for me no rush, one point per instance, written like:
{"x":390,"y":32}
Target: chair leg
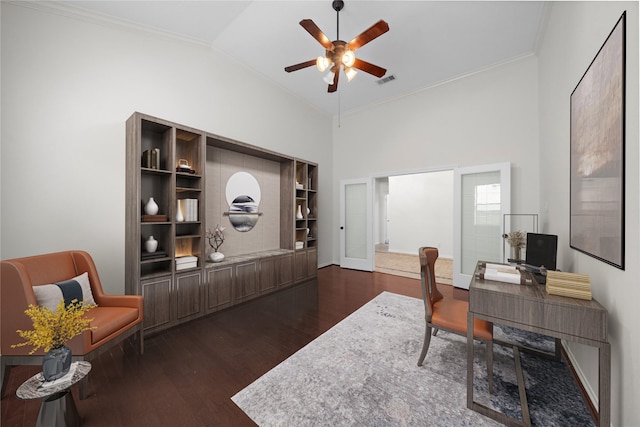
{"x":140,"y":336}
{"x":435,"y":331}
{"x":4,"y":376}
{"x":425,"y":345}
{"x":489,"y":350}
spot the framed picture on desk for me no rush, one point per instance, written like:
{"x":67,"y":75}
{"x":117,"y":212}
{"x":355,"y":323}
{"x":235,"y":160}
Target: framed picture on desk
{"x":597,"y":154}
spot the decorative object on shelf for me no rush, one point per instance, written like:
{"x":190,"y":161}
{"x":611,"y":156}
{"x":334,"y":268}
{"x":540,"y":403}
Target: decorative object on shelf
{"x":185,"y":262}
{"x":216,"y":239}
{"x":151,"y":208}
{"x":299,"y":213}
{"x":52,"y":330}
{"x":517,"y":241}
{"x":183,"y":166}
{"x":151,"y":244}
{"x":216,"y":256}
{"x":189,"y":209}
{"x":597,"y":154}
{"x":243,"y":197}
{"x":154,"y":218}
{"x":151,"y":158}
{"x":299,"y":186}
{"x":308,"y":211}
{"x":179,"y":214}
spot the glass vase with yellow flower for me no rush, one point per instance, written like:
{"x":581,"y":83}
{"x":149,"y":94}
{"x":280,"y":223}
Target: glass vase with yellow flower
{"x":51,"y":331}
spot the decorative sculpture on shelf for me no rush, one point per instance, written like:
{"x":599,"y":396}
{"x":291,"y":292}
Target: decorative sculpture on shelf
{"x":243,"y":196}
{"x":216,"y":239}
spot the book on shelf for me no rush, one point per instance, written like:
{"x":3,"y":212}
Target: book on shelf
{"x":153,"y":255}
{"x":185,"y":262}
{"x":151,"y":158}
{"x":572,"y":285}
{"x":189,"y":209}
{"x":154,"y":218}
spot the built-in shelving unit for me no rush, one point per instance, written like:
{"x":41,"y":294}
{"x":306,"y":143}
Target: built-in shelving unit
{"x":168,"y":162}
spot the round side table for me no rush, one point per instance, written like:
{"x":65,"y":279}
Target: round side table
{"x":58,"y":408}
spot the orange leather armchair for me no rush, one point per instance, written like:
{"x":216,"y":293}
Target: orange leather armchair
{"x":115,"y":318}
{"x":448,"y":314}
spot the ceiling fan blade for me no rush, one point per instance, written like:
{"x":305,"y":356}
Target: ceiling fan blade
{"x":334,"y":86}
{"x":316,"y":33}
{"x":368,"y":67}
{"x":375,"y":31}
{"x":300,"y":66}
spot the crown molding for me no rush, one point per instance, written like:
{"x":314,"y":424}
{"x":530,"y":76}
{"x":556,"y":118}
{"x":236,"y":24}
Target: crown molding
{"x":59,"y":8}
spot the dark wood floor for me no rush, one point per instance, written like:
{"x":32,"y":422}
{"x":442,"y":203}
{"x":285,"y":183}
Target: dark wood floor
{"x":188,"y":374}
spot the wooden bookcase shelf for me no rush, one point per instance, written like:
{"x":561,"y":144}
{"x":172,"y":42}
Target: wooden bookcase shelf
{"x":168,"y":161}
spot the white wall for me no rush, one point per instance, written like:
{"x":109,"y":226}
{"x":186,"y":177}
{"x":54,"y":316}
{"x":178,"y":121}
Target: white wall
{"x":421,"y":212}
{"x":484,"y":118}
{"x":68,"y":86}
{"x":575,"y":32}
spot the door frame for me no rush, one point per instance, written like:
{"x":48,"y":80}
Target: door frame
{"x":460,"y":279}
{"x":364,"y":264}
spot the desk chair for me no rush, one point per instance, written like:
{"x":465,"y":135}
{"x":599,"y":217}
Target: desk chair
{"x":448,"y":314}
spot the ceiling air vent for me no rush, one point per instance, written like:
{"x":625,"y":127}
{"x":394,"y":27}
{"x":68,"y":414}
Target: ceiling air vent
{"x":386,"y":79}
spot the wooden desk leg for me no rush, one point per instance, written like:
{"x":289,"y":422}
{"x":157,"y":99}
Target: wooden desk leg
{"x":558,"y":349}
{"x":604,"y":385}
{"x":470,"y":360}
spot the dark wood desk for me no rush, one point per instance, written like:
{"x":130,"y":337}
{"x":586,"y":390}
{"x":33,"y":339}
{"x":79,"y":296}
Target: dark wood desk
{"x":530,"y":308}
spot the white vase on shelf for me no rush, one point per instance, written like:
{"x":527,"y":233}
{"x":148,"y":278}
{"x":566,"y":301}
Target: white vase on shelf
{"x":299,"y":213}
{"x":216,"y":256}
{"x":151,"y":244}
{"x":179,"y":216}
{"x":151,"y":208}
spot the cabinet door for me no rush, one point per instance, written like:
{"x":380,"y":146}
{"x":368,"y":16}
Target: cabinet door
{"x":188,"y":294}
{"x":246,"y":283}
{"x":268,"y":274}
{"x":284,"y":271}
{"x":312,"y":263}
{"x":156,"y":302}
{"x":301,"y":265}
{"x":219,"y":285}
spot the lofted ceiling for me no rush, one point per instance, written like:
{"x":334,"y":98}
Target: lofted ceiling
{"x":429,"y":42}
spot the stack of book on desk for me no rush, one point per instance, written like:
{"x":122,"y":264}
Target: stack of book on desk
{"x":569,"y":284}
{"x":502,"y":273}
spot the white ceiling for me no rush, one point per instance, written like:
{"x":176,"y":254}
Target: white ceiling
{"x":429,"y":42}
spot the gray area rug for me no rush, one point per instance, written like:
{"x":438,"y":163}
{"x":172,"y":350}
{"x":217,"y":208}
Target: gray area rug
{"x":363,"y":372}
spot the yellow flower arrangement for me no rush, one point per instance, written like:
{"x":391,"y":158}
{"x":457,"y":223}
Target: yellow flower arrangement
{"x":54,"y":329}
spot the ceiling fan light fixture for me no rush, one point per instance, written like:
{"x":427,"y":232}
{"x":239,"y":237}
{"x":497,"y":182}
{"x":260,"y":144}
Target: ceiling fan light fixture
{"x":328,"y":79}
{"x":351,"y":73}
{"x":322,"y":63}
{"x":340,"y":54}
{"x":348,"y":58}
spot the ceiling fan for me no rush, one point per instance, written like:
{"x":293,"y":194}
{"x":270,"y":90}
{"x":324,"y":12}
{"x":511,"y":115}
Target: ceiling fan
{"x":340,"y":54}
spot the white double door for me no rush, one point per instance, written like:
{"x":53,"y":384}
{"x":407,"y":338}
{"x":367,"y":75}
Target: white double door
{"x":481,"y":198}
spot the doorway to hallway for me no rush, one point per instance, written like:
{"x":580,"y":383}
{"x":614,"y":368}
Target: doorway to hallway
{"x":407,"y":265}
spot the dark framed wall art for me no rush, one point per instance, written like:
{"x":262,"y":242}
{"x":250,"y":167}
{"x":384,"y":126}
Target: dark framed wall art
{"x":597,"y":154}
